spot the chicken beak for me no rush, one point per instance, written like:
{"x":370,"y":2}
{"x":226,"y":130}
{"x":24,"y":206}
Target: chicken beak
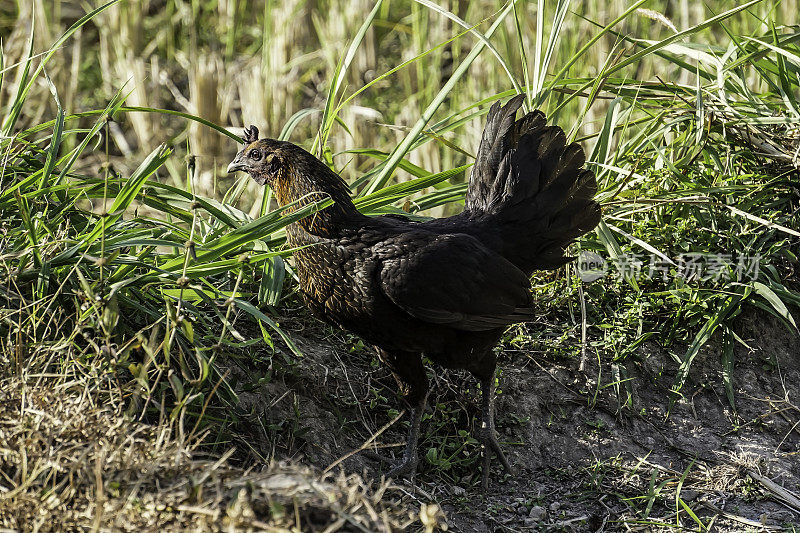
{"x":237,"y":164}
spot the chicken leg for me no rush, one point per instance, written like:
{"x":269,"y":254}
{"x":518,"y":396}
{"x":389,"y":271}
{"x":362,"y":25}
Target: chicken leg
{"x":487,"y":434}
{"x":410,"y":375}
{"x":408,"y":464}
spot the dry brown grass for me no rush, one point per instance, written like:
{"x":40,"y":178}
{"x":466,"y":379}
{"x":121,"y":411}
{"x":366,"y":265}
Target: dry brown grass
{"x":73,"y":462}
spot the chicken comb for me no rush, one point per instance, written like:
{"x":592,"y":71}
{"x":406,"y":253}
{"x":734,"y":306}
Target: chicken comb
{"x":250,"y":134}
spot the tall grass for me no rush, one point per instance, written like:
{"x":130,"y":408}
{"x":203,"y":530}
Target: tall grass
{"x":265,"y":61}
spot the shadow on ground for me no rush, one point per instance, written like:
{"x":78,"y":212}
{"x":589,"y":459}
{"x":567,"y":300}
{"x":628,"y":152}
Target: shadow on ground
{"x":585,"y":463}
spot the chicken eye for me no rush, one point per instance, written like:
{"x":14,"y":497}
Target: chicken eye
{"x":255,"y":155}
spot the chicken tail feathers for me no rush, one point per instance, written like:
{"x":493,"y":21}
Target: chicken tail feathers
{"x":531,"y":188}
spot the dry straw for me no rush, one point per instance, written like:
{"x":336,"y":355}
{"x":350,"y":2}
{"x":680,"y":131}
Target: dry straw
{"x":73,"y":461}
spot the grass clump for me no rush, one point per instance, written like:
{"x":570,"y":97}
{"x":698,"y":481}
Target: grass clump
{"x":700,"y":202}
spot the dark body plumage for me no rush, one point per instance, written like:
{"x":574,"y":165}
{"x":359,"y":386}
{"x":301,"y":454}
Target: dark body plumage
{"x":446,"y":288}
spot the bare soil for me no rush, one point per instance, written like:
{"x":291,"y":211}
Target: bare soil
{"x":584,"y":461}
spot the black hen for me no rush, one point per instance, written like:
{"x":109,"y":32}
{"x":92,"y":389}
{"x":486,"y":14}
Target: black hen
{"x":444,"y":288}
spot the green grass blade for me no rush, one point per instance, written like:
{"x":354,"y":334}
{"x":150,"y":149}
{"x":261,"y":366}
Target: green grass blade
{"x":329,"y":115}
{"x":293,"y":121}
{"x":398,"y":191}
{"x":55,"y":141}
{"x":131,"y":188}
{"x":715,"y":321}
{"x":272,"y":278}
{"x":115,"y":103}
{"x":561,"y":74}
{"x":11,"y":119}
{"x":562,"y":9}
{"x":250,"y":232}
{"x":472,"y":29}
{"x":403,"y":148}
{"x":2,"y":64}
{"x":780,"y":309}
{"x":258,"y":315}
